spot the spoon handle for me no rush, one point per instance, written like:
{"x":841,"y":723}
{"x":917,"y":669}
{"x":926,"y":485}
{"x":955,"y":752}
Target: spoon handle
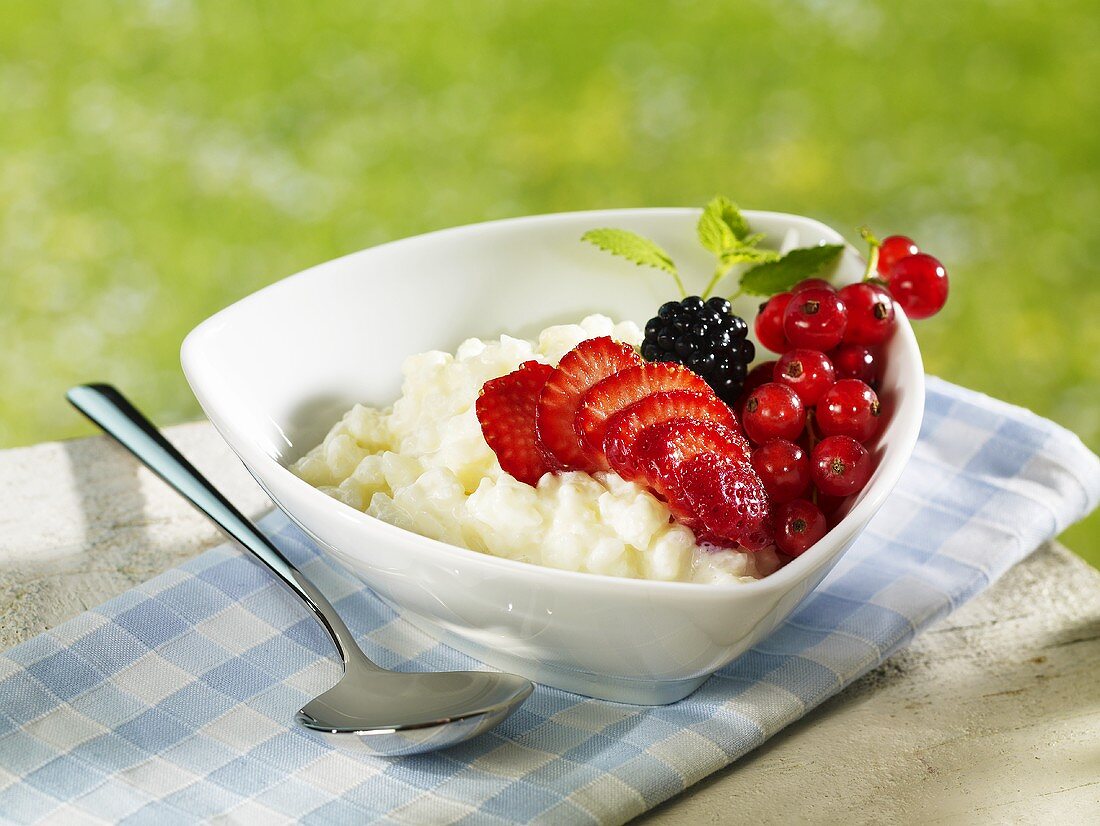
{"x":109,"y":409}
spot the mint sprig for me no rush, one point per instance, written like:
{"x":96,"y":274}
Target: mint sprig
{"x":723,"y":230}
{"x":636,"y":248}
{"x":797,"y":265}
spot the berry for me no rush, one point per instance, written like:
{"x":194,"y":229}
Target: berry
{"x":705,"y":337}
{"x":849,"y":408}
{"x":768,"y":325}
{"x":839,"y":466}
{"x":809,"y":373}
{"x":624,"y":427}
{"x":773,"y":411}
{"x":892,"y":250}
{"x":760,"y":374}
{"x":798,"y":526}
{"x":811,"y":284}
{"x":661,"y":448}
{"x":815,"y":319}
{"x":783,"y":467}
{"x":506,"y":410}
{"x":919,"y":284}
{"x":830,"y":505}
{"x":870,"y":314}
{"x":728,"y":498}
{"x":587,"y":363}
{"x":620,"y":390}
{"x":855,"y":361}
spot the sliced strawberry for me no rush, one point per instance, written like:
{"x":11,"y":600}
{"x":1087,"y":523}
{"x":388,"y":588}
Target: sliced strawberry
{"x":661,"y":448}
{"x":621,"y":390}
{"x":623,"y":427}
{"x":579,"y":369}
{"x":727,"y":497}
{"x":506,"y":410}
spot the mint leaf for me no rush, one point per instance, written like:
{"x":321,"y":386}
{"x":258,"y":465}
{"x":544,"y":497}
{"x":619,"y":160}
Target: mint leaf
{"x":636,"y":248}
{"x":748,"y":255}
{"x":631,"y":246}
{"x":773,"y":277}
{"x":721,"y":226}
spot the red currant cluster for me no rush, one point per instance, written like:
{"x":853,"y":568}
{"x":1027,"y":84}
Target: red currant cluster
{"x":810,"y":413}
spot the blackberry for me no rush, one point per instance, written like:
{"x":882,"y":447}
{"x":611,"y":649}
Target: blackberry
{"x":705,"y":337}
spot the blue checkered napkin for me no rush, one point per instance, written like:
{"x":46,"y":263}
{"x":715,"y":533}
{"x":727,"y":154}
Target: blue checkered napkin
{"x":173,"y":702}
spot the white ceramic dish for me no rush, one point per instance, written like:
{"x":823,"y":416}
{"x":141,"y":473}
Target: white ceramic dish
{"x":276,"y":369}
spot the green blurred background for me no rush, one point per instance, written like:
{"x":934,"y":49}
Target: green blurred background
{"x":161,"y":159}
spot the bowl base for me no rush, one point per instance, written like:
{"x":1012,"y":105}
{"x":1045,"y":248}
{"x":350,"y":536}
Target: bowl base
{"x":600,"y":686}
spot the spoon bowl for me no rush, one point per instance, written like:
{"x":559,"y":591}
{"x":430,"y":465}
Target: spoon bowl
{"x":391,"y":713}
{"x":449,"y":707}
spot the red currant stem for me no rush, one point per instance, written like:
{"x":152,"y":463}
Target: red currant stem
{"x":872,"y":255}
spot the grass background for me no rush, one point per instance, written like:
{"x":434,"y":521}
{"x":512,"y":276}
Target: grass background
{"x":161,"y":159}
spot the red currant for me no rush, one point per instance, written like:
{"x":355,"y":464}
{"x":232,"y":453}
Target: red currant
{"x":773,"y":411}
{"x":760,"y":374}
{"x":892,"y":250}
{"x":919,"y":284}
{"x":840,"y":466}
{"x":815,"y":319}
{"x":798,"y":525}
{"x":783,"y":467}
{"x":848,"y":408}
{"x":769,"y":323}
{"x":811,"y":284}
{"x":830,"y":505}
{"x":809,"y":373}
{"x":870,"y":314}
{"x":854,"y":361}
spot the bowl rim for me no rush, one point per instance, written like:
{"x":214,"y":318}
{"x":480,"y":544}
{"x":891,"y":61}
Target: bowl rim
{"x":886,"y":474}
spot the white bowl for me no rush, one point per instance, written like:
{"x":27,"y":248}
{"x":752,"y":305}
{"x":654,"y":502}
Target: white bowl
{"x":275,"y":370}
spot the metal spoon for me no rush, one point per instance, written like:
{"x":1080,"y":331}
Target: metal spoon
{"x":391,"y":713}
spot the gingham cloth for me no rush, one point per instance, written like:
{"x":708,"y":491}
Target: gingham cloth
{"x":174,"y":702}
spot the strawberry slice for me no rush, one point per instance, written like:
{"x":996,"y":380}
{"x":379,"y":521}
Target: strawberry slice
{"x":727,"y":497}
{"x":661,"y":448}
{"x":622,"y":428}
{"x":506,"y":410}
{"x":623,"y":389}
{"x":587,"y":363}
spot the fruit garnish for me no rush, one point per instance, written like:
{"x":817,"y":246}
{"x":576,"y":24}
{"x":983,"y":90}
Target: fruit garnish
{"x":811,"y":284}
{"x":661,"y":448}
{"x":506,"y":410}
{"x":586,"y":364}
{"x":727,"y":496}
{"x":855,"y":361}
{"x":839,"y":466}
{"x":624,"y":427}
{"x":773,"y":411}
{"x":769,"y":323}
{"x":815,"y":319}
{"x":892,"y":249}
{"x":705,"y":337}
{"x":762,"y":373}
{"x":798,"y":525}
{"x":916,"y":280}
{"x":849,"y":408}
{"x":870,"y":313}
{"x":620,"y":390}
{"x":784,"y":468}
{"x":809,"y":373}
{"x":919,"y":284}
